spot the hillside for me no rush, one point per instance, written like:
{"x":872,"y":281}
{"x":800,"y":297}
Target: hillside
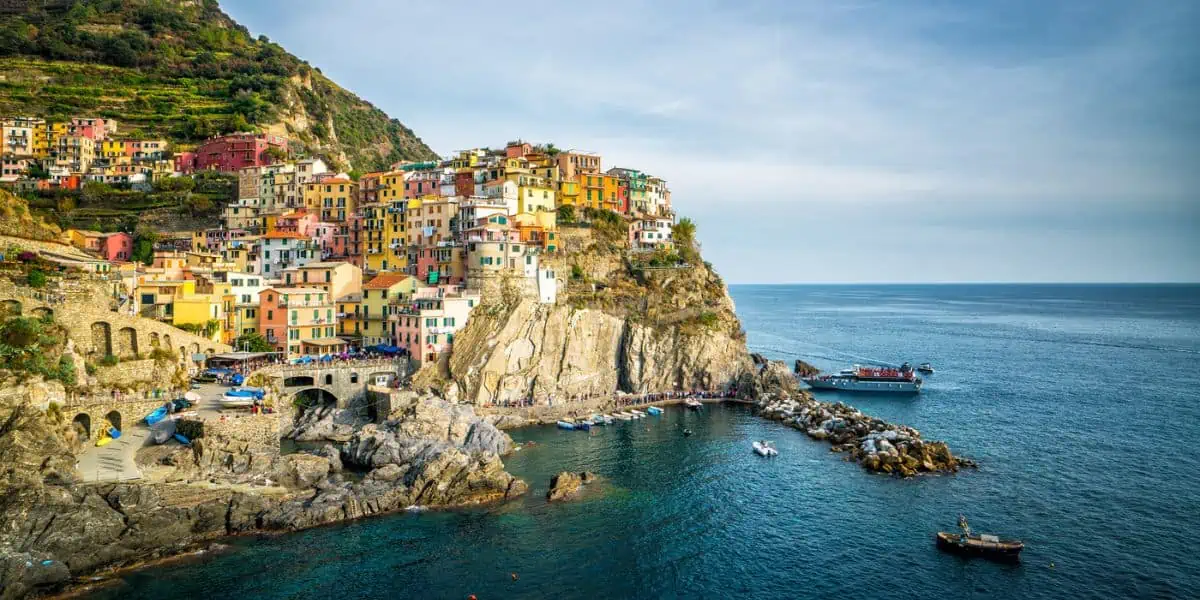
{"x":183,"y":70}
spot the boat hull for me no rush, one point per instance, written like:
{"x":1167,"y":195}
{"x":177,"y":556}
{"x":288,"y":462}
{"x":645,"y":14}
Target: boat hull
{"x":858,"y":385}
{"x":1004,"y":551}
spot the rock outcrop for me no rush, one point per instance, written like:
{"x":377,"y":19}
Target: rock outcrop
{"x":567,"y":485}
{"x":878,"y":446}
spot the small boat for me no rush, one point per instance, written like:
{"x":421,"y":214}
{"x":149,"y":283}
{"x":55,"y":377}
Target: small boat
{"x":981,"y":545}
{"x":925,"y":368}
{"x":596,"y":420}
{"x":182,"y":439}
{"x":159,"y":414}
{"x":765,"y":448}
{"x":583,"y":424}
{"x":566,"y":425}
{"x":608,"y":419}
{"x":693,"y":404}
{"x":687,"y":432}
{"x":240,"y":397}
{"x":654,"y":410}
{"x":639,"y":414}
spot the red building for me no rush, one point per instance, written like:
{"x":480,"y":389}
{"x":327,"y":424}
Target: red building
{"x":464,"y":183}
{"x":229,"y":153}
{"x":117,"y":246}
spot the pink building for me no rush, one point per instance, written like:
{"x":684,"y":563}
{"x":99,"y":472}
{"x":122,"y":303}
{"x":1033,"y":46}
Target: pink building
{"x":426,"y":261}
{"x":324,"y":234}
{"x":230,"y":152}
{"x":423,"y":183}
{"x":426,"y":326}
{"x":93,"y":128}
{"x":117,"y":246}
{"x":302,"y":223}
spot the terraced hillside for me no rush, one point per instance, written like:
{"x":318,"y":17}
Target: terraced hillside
{"x":183,"y":70}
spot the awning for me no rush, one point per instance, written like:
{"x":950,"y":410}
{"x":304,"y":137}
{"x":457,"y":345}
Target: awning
{"x":325,"y":342}
{"x":199,"y":357}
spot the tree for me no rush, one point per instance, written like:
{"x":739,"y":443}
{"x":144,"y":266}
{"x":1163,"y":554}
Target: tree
{"x":276,"y":154}
{"x":197,"y":204}
{"x":143,"y":247}
{"x":252,"y":342}
{"x":37,"y":171}
{"x":566,"y":213}
{"x":684,"y":236}
{"x":36,"y":279}
{"x":175,"y":184}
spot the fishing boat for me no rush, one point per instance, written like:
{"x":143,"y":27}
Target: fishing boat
{"x":902,"y":380}
{"x":693,"y":404}
{"x":982,"y":545}
{"x":566,"y":425}
{"x":623,"y":416}
{"x":925,"y":368}
{"x":764,"y":448}
{"x":654,"y":410}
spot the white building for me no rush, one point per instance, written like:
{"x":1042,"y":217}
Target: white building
{"x":650,"y":234}
{"x":280,"y":250}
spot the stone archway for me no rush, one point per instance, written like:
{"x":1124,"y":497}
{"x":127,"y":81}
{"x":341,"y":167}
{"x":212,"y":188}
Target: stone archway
{"x":313,"y":397}
{"x":194,"y":349}
{"x":83,"y":426}
{"x":127,"y":344}
{"x":42,"y":312}
{"x":12,"y":308}
{"x":166,"y":341}
{"x":114,"y":418}
{"x":154,"y":340}
{"x":102,"y":338}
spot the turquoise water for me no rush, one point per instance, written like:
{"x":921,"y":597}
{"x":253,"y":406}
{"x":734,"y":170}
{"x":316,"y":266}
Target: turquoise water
{"x":1079,"y":402}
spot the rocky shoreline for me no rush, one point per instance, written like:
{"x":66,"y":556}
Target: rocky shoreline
{"x":876,"y":445}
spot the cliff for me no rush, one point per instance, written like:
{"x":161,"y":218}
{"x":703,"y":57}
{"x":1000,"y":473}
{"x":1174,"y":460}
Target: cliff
{"x":617,"y":327}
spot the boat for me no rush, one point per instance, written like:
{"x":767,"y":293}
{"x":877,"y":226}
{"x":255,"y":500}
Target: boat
{"x":583,"y":424}
{"x":639,"y":414}
{"x":902,"y":380}
{"x":693,"y":404}
{"x":566,"y":425}
{"x":654,"y":410}
{"x":982,"y":545}
{"x":597,"y":420}
{"x":240,"y":397}
{"x":765,"y":448}
{"x":925,"y":368}
{"x":687,"y":432}
{"x":182,"y":439}
{"x":103,"y":441}
{"x":608,"y":419}
{"x":159,"y":414}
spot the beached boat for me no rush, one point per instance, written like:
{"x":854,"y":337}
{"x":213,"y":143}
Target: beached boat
{"x":608,"y":419}
{"x":764,"y":448}
{"x":566,"y":425}
{"x":654,"y":410}
{"x":624,"y":416}
{"x":693,"y":404}
{"x":982,"y":545}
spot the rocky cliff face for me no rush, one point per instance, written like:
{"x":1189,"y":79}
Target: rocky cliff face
{"x":661,"y":333}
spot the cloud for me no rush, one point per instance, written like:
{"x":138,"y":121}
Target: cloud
{"x":768,"y":108}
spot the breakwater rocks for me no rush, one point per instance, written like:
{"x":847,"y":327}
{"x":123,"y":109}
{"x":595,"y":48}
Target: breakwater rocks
{"x":877,"y":445}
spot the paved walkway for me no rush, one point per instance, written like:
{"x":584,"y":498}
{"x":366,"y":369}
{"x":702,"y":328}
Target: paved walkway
{"x":114,"y":461}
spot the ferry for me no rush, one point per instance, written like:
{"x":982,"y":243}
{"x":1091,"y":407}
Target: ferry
{"x":902,"y":380}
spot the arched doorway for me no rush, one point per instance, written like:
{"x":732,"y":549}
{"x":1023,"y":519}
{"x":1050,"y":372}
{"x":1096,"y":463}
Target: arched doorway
{"x":82,"y":424}
{"x":329,"y":379}
{"x":127,"y":342}
{"x":298,"y":380}
{"x":114,"y":418}
{"x":154,"y":339}
{"x":42,"y":312}
{"x":12,"y":308}
{"x":102,"y":338}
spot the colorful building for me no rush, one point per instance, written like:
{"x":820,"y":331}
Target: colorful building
{"x":228,"y":153}
{"x":299,"y":321}
{"x":425,"y":326}
{"x":378,"y":297}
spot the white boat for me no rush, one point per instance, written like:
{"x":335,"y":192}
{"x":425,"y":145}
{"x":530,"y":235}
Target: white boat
{"x":693,"y":404}
{"x":639,"y":414}
{"x":624,"y":416}
{"x":764,"y":448}
{"x":925,"y":368}
{"x":608,"y":419}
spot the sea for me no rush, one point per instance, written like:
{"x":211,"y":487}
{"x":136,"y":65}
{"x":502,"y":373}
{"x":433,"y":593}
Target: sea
{"x":1081,"y":404}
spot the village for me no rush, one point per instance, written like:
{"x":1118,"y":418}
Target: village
{"x":309,"y":263}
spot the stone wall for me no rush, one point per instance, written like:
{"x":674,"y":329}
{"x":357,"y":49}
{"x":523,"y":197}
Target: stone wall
{"x":347,"y":381}
{"x":140,"y":375}
{"x":259,"y":432}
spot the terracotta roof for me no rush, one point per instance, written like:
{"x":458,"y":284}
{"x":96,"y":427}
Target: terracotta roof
{"x":384,"y":281}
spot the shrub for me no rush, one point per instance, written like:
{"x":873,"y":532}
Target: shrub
{"x":109,"y":361}
{"x":36,"y":278}
{"x":89,"y":368}
{"x":163,"y":354}
{"x":66,"y":371}
{"x":576,"y":272}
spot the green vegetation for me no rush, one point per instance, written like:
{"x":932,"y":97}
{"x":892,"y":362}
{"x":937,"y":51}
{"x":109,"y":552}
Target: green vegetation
{"x":104,"y":207}
{"x":109,"y":360}
{"x":252,"y":342}
{"x":684,"y":236}
{"x":36,"y":278}
{"x":183,"y":71}
{"x":207,"y":329}
{"x":164,"y":355}
{"x":27,"y":348}
{"x":566,"y":214}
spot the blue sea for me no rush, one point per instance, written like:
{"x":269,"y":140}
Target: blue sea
{"x":1081,"y":404}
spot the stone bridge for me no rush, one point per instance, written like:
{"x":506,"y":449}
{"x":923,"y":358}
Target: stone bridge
{"x":98,"y":332}
{"x":89,"y":414}
{"x":343,"y":384}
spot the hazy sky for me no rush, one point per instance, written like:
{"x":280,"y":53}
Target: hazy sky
{"x":821,"y":141}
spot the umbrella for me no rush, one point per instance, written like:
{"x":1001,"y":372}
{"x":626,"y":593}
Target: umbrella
{"x":326,"y":358}
{"x":192,"y":397}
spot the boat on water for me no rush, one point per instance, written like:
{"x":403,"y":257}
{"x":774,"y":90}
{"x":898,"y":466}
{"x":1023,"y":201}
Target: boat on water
{"x":902,"y":380}
{"x":654,"y":410}
{"x":687,"y":432}
{"x":624,"y":416}
{"x":583,"y":424}
{"x":925,"y":368}
{"x":967,"y":543}
{"x":693,"y":404}
{"x":597,"y":420}
{"x":639,"y":414}
{"x":608,"y":419}
{"x":566,"y":425}
{"x":764,"y":448}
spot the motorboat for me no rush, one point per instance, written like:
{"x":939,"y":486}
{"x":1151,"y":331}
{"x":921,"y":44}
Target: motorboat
{"x":925,"y":368}
{"x":693,"y":404}
{"x":566,"y":425}
{"x":967,"y":543}
{"x":902,"y":380}
{"x":765,"y":448}
{"x":638,"y":413}
{"x":654,"y":410}
{"x":240,"y":397}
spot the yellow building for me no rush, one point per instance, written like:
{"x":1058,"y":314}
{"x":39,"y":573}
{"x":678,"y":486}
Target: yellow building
{"x":112,"y":149}
{"x":378,"y":297}
{"x":568,"y":192}
{"x":333,"y":200}
{"x":350,"y":323}
{"x":156,"y":297}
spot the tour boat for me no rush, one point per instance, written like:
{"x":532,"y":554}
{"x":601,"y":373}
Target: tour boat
{"x":981,"y":545}
{"x":925,"y":368}
{"x":654,"y":410}
{"x":901,"y":380}
{"x":693,"y":404}
{"x":764,"y":448}
{"x":565,"y":425}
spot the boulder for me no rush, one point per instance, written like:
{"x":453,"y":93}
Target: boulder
{"x":302,"y":470}
{"x":566,"y":485}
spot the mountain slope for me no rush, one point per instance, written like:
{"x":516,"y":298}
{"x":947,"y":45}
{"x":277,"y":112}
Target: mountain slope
{"x":183,"y":70}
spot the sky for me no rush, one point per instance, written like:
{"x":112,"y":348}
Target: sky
{"x":817,"y":141}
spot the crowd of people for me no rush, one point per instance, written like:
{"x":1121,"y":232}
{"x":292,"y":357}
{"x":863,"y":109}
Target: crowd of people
{"x":617,"y":399}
